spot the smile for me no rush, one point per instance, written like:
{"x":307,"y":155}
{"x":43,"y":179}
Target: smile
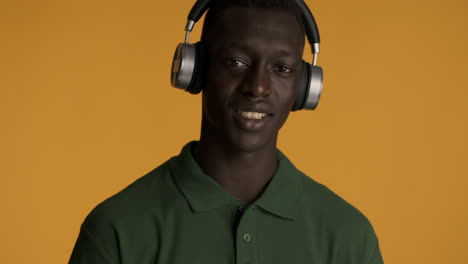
{"x":250,"y":120}
{"x":252,"y":115}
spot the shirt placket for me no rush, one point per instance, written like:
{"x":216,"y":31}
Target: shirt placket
{"x":246,"y":236}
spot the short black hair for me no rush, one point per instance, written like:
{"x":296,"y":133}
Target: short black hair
{"x":215,"y":8}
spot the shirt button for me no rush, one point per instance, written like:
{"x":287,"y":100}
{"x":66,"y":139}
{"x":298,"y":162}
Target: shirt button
{"x":247,"y":237}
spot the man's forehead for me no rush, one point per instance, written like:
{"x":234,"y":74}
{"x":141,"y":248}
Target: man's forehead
{"x":240,"y":13}
{"x":241,"y":24}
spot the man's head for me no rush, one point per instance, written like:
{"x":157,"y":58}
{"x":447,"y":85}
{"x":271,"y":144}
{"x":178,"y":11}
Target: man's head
{"x":216,"y":7}
{"x":253,"y":52}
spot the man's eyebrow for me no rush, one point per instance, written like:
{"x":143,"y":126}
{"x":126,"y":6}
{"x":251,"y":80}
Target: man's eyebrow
{"x":286,"y":53}
{"x":232,"y":45}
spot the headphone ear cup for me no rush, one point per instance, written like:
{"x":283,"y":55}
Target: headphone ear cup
{"x":309,"y":87}
{"x":183,"y":65}
{"x":302,"y":87}
{"x":314,"y":88}
{"x":198,"y":77}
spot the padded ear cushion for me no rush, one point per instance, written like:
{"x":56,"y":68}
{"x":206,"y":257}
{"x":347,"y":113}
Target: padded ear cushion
{"x":197,"y":82}
{"x":302,"y":87}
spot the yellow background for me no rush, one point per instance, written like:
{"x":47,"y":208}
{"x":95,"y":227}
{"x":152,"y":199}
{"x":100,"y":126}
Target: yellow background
{"x":86,"y":107}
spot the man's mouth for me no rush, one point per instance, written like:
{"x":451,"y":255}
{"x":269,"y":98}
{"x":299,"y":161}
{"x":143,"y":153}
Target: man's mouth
{"x":251,"y":119}
{"x":252,"y":115}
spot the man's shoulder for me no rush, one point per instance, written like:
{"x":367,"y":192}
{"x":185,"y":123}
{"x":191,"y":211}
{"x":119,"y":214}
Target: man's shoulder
{"x":335,"y":221}
{"x":142,"y":198}
{"x":130,"y":215}
{"x":324,"y":205}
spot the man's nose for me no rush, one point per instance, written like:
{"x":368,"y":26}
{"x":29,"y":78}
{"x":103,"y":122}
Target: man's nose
{"x":257,"y":83}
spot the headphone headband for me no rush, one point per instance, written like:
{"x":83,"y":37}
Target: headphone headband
{"x":312,"y":32}
{"x":198,"y":9}
{"x":311,"y":26}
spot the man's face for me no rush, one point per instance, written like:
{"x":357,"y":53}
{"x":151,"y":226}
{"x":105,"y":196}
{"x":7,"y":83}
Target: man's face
{"x":254,"y":63}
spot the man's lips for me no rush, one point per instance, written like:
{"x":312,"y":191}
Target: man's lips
{"x":252,"y":115}
{"x":250,"y":121}
{"x":253,"y":112}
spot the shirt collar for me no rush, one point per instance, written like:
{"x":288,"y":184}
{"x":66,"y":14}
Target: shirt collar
{"x":280,"y":197}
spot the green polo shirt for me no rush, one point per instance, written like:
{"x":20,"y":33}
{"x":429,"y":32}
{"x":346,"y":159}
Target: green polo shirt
{"x":178,"y":215}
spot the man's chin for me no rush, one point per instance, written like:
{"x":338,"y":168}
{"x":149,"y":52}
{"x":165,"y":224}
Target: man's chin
{"x":251,"y":143}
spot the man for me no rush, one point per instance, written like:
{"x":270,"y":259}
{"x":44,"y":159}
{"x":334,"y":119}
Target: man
{"x":232,"y":197}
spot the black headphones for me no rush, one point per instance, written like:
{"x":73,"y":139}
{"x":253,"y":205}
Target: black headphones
{"x":187,"y":63}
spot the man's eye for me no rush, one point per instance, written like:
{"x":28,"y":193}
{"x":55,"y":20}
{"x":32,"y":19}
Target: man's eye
{"x":283,"y":69}
{"x":235,"y":63}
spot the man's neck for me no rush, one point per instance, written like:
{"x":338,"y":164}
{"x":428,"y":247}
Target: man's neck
{"x":244,"y":175}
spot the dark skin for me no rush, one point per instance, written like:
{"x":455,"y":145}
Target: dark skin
{"x":254,"y":61}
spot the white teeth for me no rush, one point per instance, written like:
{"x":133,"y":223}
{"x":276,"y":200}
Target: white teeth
{"x":252,"y":115}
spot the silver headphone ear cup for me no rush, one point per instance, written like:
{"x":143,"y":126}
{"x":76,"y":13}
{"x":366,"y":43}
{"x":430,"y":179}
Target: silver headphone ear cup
{"x":315,"y":88}
{"x":183,"y":66}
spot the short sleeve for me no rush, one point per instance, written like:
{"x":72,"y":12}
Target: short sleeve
{"x":373,"y":249}
{"x":88,"y":250}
